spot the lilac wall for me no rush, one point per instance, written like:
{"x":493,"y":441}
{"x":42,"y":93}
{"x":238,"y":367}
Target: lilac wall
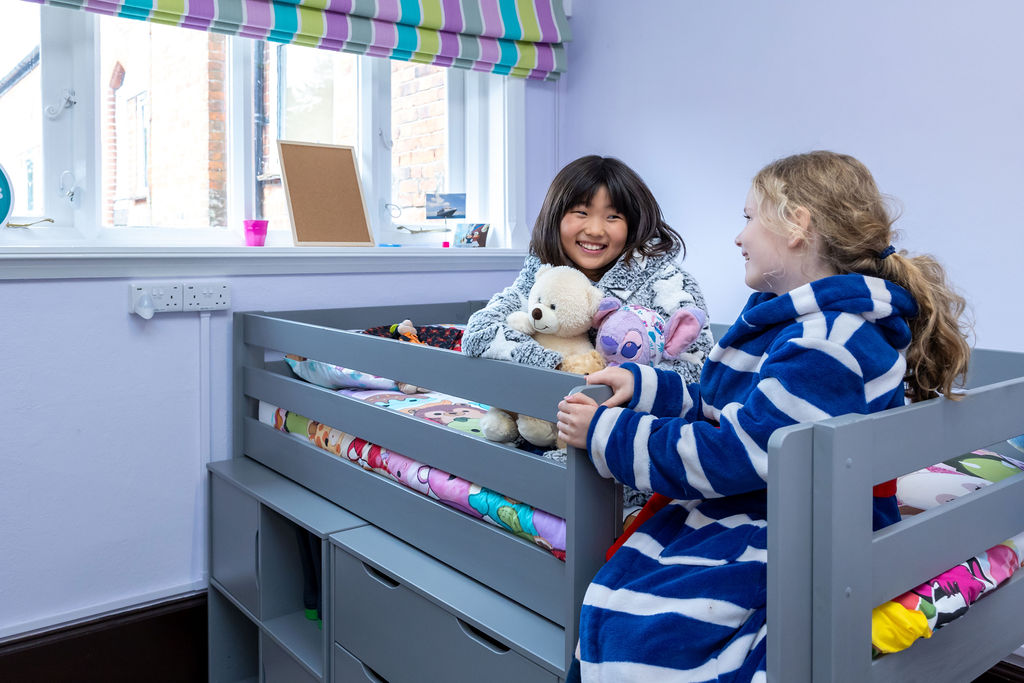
{"x":102,"y":501}
{"x":925,"y":94}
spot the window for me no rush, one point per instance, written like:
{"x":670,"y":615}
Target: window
{"x":302,"y":95}
{"x":135,"y":132}
{"x":419,"y":126}
{"x":163,"y":139}
{"x":21,"y":152}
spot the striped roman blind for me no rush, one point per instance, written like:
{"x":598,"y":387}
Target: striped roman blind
{"x":521,"y":38}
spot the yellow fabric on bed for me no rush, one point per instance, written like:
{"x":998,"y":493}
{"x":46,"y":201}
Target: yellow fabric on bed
{"x":894,"y":627}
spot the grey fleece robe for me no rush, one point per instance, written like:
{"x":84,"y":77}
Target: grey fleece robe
{"x":656,"y":282}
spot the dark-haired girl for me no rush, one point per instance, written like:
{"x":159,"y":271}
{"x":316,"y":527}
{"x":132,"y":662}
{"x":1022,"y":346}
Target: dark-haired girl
{"x":600,"y":217}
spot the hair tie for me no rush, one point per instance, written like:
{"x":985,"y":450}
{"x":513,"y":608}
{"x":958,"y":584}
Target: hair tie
{"x":888,"y":251}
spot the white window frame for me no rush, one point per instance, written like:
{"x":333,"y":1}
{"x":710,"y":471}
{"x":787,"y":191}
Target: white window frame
{"x":69,"y":62}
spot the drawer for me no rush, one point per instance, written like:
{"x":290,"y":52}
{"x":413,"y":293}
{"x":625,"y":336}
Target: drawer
{"x":234,"y":520}
{"x":348,"y":669}
{"x":403,"y":636}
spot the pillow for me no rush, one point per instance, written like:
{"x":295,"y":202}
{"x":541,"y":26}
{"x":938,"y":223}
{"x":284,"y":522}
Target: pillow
{"x":941,"y":483}
{"x":337,"y":377}
{"x":924,"y":489}
{"x":990,"y":466}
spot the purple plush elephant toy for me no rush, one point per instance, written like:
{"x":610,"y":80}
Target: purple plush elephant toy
{"x":634,"y":334}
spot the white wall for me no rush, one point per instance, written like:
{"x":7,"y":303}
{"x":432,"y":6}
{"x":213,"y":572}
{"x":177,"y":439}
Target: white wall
{"x":697,"y":96}
{"x":102,"y":500}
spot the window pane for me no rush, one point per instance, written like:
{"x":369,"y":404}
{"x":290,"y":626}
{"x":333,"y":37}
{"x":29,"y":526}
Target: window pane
{"x":302,"y":94}
{"x":21,"y":113}
{"x":163,"y":94}
{"x":419,"y":121}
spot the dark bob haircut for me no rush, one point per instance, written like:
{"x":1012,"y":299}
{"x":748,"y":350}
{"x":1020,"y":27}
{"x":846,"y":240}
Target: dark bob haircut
{"x":577,"y":183}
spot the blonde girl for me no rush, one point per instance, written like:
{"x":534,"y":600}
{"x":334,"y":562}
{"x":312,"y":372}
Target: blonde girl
{"x":840,"y":322}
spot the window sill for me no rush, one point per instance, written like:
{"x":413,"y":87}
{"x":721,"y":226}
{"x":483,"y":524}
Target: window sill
{"x":49,"y":263}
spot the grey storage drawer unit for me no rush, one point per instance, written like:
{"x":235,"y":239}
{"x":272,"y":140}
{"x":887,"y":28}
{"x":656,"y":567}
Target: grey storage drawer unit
{"x":446,"y":626}
{"x":258,"y":625}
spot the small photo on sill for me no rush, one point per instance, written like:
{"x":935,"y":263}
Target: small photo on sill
{"x":445,"y":205}
{"x":471,"y":234}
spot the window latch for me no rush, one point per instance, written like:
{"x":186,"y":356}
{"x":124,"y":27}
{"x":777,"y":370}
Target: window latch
{"x":69,"y":188}
{"x":69,"y":100}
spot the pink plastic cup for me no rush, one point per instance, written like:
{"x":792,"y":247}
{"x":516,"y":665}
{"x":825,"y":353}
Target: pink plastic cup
{"x":255,"y":232}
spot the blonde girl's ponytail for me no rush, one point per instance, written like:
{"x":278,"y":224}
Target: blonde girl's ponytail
{"x":854,"y":231}
{"x":939,"y":353}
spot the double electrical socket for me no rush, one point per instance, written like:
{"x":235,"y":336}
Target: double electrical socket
{"x":148,"y":298}
{"x":206,"y":296}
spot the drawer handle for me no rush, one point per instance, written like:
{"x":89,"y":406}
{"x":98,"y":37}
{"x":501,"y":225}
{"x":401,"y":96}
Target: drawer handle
{"x":482,"y":638}
{"x":372,"y":675}
{"x":380,"y":576}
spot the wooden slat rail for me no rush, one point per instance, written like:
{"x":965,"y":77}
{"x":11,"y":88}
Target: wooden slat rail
{"x":911,"y":437}
{"x":363,"y":317}
{"x":519,"y":388}
{"x":907,"y":554}
{"x":531,"y":479}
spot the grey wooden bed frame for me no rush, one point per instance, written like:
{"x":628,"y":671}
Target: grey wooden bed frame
{"x":828,"y":570}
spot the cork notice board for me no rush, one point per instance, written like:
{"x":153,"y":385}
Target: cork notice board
{"x":325,"y":198}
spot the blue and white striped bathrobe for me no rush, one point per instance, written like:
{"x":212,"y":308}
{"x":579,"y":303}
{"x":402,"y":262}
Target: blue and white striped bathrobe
{"x":684,"y":598}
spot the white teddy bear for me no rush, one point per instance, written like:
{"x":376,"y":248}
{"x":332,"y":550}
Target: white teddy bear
{"x":558,"y":315}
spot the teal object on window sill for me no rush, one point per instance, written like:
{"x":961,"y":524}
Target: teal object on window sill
{"x":6,"y":197}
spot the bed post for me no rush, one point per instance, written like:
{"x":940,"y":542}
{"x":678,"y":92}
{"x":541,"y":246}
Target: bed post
{"x":242,"y":355}
{"x":590,"y":526}
{"x":790,"y":452}
{"x":841,"y":549}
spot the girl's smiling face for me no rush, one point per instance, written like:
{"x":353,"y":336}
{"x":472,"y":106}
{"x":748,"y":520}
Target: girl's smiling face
{"x":767,"y":253}
{"x":779,"y":259}
{"x":594,"y":235}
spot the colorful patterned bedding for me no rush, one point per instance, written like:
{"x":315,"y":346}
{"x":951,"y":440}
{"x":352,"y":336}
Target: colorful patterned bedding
{"x":336,"y":377}
{"x":896,"y":624}
{"x":527,"y":522}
